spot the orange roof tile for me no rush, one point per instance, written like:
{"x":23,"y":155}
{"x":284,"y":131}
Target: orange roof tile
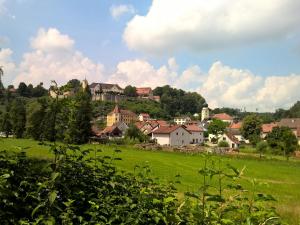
{"x":222,"y":116}
{"x":167,"y":129}
{"x":144,"y":91}
{"x":236,"y":125}
{"x":193,"y":128}
{"x":267,"y":128}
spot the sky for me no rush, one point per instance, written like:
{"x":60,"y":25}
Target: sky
{"x":243,"y":54}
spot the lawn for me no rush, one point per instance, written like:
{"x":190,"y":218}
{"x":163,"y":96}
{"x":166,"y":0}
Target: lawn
{"x":281,"y":178}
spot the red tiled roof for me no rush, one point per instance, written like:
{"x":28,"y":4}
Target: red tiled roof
{"x":267,"y":128}
{"x":128,"y":112}
{"x":139,"y":124}
{"x":222,"y":116}
{"x":193,"y":128}
{"x":167,"y":129}
{"x":111,"y":129}
{"x":236,"y":125}
{"x":292,"y":123}
{"x":144,"y":91}
{"x":162,"y":122}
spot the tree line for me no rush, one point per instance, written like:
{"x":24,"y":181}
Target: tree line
{"x":49,"y":119}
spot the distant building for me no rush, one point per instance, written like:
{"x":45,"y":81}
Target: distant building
{"x":146,"y":93}
{"x":230,"y":139}
{"x":172,"y":135}
{"x":205,"y":112}
{"x":106,"y":92}
{"x":147,"y":127}
{"x":144,"y":117}
{"x":197,"y":134}
{"x":224,"y":117}
{"x":182,"y":120}
{"x":293,"y":124}
{"x":267,"y":128}
{"x":120,"y":115}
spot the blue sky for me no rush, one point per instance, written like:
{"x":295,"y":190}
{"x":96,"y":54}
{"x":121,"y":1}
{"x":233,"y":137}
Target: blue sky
{"x":253,"y":48}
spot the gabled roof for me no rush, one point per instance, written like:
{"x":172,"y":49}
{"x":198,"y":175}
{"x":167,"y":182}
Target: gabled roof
{"x":143,"y":91}
{"x":267,"y":128}
{"x":168,"y":129}
{"x":232,"y":137}
{"x":193,"y":128}
{"x":222,"y":116}
{"x":292,"y":123}
{"x":111,"y":129}
{"x":236,"y":125}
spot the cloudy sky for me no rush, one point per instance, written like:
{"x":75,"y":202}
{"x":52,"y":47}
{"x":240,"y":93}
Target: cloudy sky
{"x":236,"y":53}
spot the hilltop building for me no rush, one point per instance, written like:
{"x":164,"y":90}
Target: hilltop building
{"x":106,"y":92}
{"x":182,"y":120}
{"x":120,"y":115}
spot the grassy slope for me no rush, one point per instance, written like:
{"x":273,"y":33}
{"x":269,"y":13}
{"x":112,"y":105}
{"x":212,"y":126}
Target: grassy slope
{"x":283,"y":177}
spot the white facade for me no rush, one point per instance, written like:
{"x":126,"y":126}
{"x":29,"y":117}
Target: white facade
{"x":205,"y":113}
{"x":178,"y":137}
{"x":182,"y":120}
{"x":231,"y":143}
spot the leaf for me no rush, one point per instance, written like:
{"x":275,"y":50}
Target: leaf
{"x":54,"y":176}
{"x":36,"y":209}
{"x":52,"y":196}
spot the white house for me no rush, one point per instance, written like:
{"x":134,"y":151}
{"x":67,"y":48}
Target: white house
{"x":172,"y":135}
{"x":197,"y":135}
{"x":144,"y":117}
{"x":231,"y":139}
{"x":182,"y":120}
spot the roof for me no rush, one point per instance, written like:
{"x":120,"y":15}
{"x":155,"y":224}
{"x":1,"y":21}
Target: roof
{"x":122,"y":111}
{"x":110,"y":129}
{"x":145,"y":114}
{"x":232,"y":137}
{"x":193,"y":128}
{"x":222,"y":116}
{"x":168,"y":129}
{"x":267,"y":128}
{"x":236,"y":125}
{"x":292,"y":123}
{"x":105,"y":86}
{"x":143,"y":91}
{"x":116,"y":109}
{"x":139,"y":124}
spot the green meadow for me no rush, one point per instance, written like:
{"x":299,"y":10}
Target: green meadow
{"x":278,"y":177}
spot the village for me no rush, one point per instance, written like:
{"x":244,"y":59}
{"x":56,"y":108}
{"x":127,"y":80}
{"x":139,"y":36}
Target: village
{"x":182,"y":131}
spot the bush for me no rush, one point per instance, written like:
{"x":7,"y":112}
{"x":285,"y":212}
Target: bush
{"x":223,"y":144}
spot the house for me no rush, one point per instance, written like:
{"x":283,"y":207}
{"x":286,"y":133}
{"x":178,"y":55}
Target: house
{"x":144,"y":92}
{"x":235,"y":130}
{"x":230,"y":139}
{"x":267,"y":128}
{"x":182,"y":120}
{"x":172,"y":135}
{"x":197,"y":134}
{"x":144,"y":117}
{"x":111,"y":132}
{"x":224,"y":117}
{"x":293,"y":124}
{"x":120,"y":115}
{"x":106,"y":92}
{"x":147,"y":127}
{"x":122,"y":127}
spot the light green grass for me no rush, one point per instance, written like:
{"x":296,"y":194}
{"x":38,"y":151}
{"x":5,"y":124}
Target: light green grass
{"x":282,"y":177}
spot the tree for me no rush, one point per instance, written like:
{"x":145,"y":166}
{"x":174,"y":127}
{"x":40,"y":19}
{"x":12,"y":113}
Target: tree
{"x":23,"y":90}
{"x":39,"y":91}
{"x":130,"y":91}
{"x":217,"y":128}
{"x":251,"y":128}
{"x":1,"y":75}
{"x":5,"y":123}
{"x":262,"y":147}
{"x":223,"y":144}
{"x":79,"y":119}
{"x":36,"y":112}
{"x":134,"y":133}
{"x":283,"y":140}
{"x":18,"y":117}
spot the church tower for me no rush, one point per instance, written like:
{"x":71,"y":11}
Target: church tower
{"x":205,"y":112}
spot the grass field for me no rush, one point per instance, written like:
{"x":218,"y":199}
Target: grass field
{"x":282,"y":178}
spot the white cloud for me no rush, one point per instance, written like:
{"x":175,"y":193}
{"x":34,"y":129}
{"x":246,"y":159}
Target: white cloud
{"x":117,"y":11}
{"x":54,"y":58}
{"x":9,"y":67}
{"x":199,"y":25}
{"x":225,"y":86}
{"x":3,"y":8}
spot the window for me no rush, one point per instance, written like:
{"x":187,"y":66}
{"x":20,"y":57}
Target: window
{"x":182,"y":134}
{"x":224,"y":138}
{"x":177,"y":133}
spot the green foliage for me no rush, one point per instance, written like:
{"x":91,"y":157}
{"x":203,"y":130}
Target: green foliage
{"x":178,"y":101}
{"x":282,"y":139}
{"x":30,"y":91}
{"x":223,"y":144}
{"x":75,"y":188}
{"x":293,"y":112}
{"x":217,"y":127}
{"x":135,"y":134}
{"x":79,"y":119}
{"x":251,"y":128}
{"x":18,"y":117}
{"x":130,"y":91}
{"x":5,"y":122}
{"x":262,"y":147}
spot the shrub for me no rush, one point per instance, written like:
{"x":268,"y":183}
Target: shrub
{"x":223,"y":144}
